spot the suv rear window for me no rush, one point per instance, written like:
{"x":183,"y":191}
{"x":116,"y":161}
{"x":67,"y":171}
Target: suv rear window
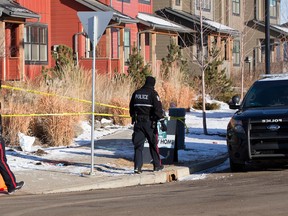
{"x":267,"y":94}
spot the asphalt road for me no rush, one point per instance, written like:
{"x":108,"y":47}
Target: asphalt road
{"x":256,"y":192}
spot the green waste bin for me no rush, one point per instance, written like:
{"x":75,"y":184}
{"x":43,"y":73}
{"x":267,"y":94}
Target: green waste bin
{"x":178,"y":114}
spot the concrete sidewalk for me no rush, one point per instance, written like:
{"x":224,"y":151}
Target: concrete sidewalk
{"x":58,"y":181}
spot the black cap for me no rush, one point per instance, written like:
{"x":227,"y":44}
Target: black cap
{"x":150,"y":81}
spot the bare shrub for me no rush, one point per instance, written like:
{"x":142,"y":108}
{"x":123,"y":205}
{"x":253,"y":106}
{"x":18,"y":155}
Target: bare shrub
{"x":55,"y":130}
{"x":179,"y":96}
{"x":13,"y":125}
{"x":112,"y":91}
{"x":71,"y":93}
{"x":173,"y":89}
{"x":186,"y":97}
{"x":120,"y":120}
{"x":16,"y":102}
{"x":73,"y":84}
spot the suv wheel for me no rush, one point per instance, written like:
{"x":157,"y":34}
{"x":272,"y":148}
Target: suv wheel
{"x":237,"y":167}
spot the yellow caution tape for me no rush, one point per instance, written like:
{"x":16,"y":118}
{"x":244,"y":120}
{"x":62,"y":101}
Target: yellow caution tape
{"x":63,"y":114}
{"x":66,"y":97}
{"x":181,"y":119}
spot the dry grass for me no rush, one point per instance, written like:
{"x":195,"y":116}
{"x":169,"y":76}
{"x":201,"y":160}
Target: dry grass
{"x":52,"y":130}
{"x":174,"y":92}
{"x":55,"y":130}
{"x":120,"y":103}
{"x":13,"y":125}
{"x":76,"y":83}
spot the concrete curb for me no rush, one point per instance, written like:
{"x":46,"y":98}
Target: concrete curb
{"x":117,"y":182}
{"x":169,"y":174}
{"x":208,"y":164}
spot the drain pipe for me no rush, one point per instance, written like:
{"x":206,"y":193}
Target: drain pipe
{"x":76,"y":46}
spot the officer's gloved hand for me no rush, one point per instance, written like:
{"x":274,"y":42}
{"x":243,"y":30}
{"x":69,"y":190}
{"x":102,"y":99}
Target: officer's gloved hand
{"x":133,"y":120}
{"x":163,"y":125}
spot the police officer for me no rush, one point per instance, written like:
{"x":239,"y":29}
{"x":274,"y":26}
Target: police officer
{"x":145,"y":110}
{"x":5,"y":171}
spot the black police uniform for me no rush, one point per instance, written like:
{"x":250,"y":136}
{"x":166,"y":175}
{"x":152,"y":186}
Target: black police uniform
{"x":5,"y":171}
{"x":145,"y":110}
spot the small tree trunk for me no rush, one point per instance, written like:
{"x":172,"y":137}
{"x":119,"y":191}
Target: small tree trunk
{"x":203,"y":73}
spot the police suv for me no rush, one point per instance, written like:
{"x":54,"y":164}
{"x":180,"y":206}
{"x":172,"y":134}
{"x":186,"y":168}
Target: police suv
{"x":258,"y":131}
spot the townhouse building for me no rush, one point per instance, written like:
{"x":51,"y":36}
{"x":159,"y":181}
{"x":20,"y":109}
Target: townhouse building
{"x":216,"y":35}
{"x":235,"y":27}
{"x":254,"y":37}
{"x":31,"y":31}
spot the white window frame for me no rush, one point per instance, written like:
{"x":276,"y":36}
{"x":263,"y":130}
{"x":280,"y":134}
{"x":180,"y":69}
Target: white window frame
{"x":236,"y":52}
{"x":236,"y":7}
{"x":36,"y":44}
{"x":206,"y":5}
{"x":273,"y":8}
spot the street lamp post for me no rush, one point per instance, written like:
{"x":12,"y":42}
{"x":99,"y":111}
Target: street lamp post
{"x":267,"y":36}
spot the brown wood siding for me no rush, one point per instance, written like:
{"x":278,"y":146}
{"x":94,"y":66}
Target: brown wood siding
{"x":218,"y":11}
{"x":161,"y":46}
{"x":235,"y":21}
{"x":249,"y":10}
{"x":189,"y":6}
{"x":161,"y":4}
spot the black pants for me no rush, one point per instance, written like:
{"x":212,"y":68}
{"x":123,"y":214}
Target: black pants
{"x":5,"y":171}
{"x":143,"y":130}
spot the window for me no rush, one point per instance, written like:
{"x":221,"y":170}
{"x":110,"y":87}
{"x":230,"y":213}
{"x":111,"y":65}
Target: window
{"x":36,"y":44}
{"x":262,"y":53}
{"x":273,"y":8}
{"x":236,"y":52}
{"x":145,"y":1}
{"x":177,"y":2}
{"x":126,"y":44}
{"x":285,"y":51}
{"x":263,"y":50}
{"x":206,"y":5}
{"x":236,"y":7}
